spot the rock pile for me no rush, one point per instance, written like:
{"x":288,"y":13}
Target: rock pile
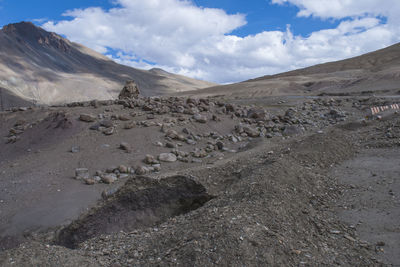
{"x":130,"y":90}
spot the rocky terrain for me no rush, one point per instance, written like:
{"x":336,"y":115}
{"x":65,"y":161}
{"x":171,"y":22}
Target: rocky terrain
{"x":292,"y":169}
{"x":45,"y":68}
{"x":198,"y":181}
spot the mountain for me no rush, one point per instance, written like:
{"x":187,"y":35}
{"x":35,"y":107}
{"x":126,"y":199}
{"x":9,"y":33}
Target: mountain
{"x":45,"y":67}
{"x":373,"y":73}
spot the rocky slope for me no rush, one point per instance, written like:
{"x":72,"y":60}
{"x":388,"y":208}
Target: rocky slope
{"x":182,"y":181}
{"x":47,"y":68}
{"x":372,"y":73}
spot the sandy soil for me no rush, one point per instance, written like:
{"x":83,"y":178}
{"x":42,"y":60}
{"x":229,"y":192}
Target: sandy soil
{"x":371,"y":201}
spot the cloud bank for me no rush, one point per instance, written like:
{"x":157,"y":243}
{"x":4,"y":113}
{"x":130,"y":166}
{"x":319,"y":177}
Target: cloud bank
{"x":183,"y":38}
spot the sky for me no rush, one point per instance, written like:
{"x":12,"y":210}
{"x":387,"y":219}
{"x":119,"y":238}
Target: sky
{"x":221,"y":41}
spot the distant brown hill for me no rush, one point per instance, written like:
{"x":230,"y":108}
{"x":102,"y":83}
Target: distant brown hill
{"x":373,"y":73}
{"x":43,"y":66}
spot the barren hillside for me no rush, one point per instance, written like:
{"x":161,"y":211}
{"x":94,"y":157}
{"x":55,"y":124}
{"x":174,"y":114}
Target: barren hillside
{"x":373,"y":73}
{"x":43,"y":66}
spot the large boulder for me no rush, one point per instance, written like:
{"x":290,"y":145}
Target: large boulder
{"x":130,"y":90}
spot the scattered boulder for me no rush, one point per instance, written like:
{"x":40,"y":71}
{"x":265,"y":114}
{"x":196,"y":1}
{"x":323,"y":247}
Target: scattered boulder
{"x":129,"y":125}
{"x":200,"y":118}
{"x":169,"y":145}
{"x":109,"y":178}
{"x":336,"y":114}
{"x":199,"y":153}
{"x":220,"y":145}
{"x":109,"y":192}
{"x":150,"y":159}
{"x":124,"y":117}
{"x":109,"y":131}
{"x":75,"y":149}
{"x":107,"y":123}
{"x":290,"y":113}
{"x":90,"y":181}
{"x":157,"y":167}
{"x":87,"y":117}
{"x":95,"y":127}
{"x":167,"y":157}
{"x":251,"y":132}
{"x":125,"y":146}
{"x":291,"y":130}
{"x":141,"y":170}
{"x":123,"y":169}
{"x":256,"y":113}
{"x":12,"y":139}
{"x":171,"y":134}
{"x":81,"y":174}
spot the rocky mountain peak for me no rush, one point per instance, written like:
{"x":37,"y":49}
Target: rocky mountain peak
{"x":30,"y":33}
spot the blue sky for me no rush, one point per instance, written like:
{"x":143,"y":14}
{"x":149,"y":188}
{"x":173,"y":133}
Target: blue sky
{"x":217,"y":40}
{"x":260,"y":16}
{"x":12,"y":11}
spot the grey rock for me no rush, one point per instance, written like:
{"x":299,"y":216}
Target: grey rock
{"x":157,"y":167}
{"x":171,"y":134}
{"x":200,"y":118}
{"x":158,"y":143}
{"x":107,"y":123}
{"x":81,"y":173}
{"x":169,"y":145}
{"x":149,"y":159}
{"x":129,"y":125}
{"x":95,"y":127}
{"x":125,"y":146}
{"x":109,"y":131}
{"x":167,"y":157}
{"x":90,"y":181}
{"x":109,"y":192}
{"x":87,"y":117}
{"x":109,"y":178}
{"x":292,"y":130}
{"x":199,"y":153}
{"x":97,"y":178}
{"x":124,"y":117}
{"x":256,"y":113}
{"x":191,"y":142}
{"x":220,"y":145}
{"x":123,"y":169}
{"x":75,"y":149}
{"x":251,"y":132}
{"x":141,"y":170}
{"x":196,"y":160}
{"x":123,"y":176}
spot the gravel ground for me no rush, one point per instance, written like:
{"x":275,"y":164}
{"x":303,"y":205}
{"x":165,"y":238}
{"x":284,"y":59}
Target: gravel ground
{"x":277,"y":201}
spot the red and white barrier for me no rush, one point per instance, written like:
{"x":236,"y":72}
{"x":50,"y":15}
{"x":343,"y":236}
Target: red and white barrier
{"x":376,"y":110}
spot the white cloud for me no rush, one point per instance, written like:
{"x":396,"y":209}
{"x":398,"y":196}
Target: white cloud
{"x":183,"y":38}
{"x":345,"y":8}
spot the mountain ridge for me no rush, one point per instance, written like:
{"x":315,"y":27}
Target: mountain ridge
{"x":44,"y":66}
{"x":376,"y":72}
